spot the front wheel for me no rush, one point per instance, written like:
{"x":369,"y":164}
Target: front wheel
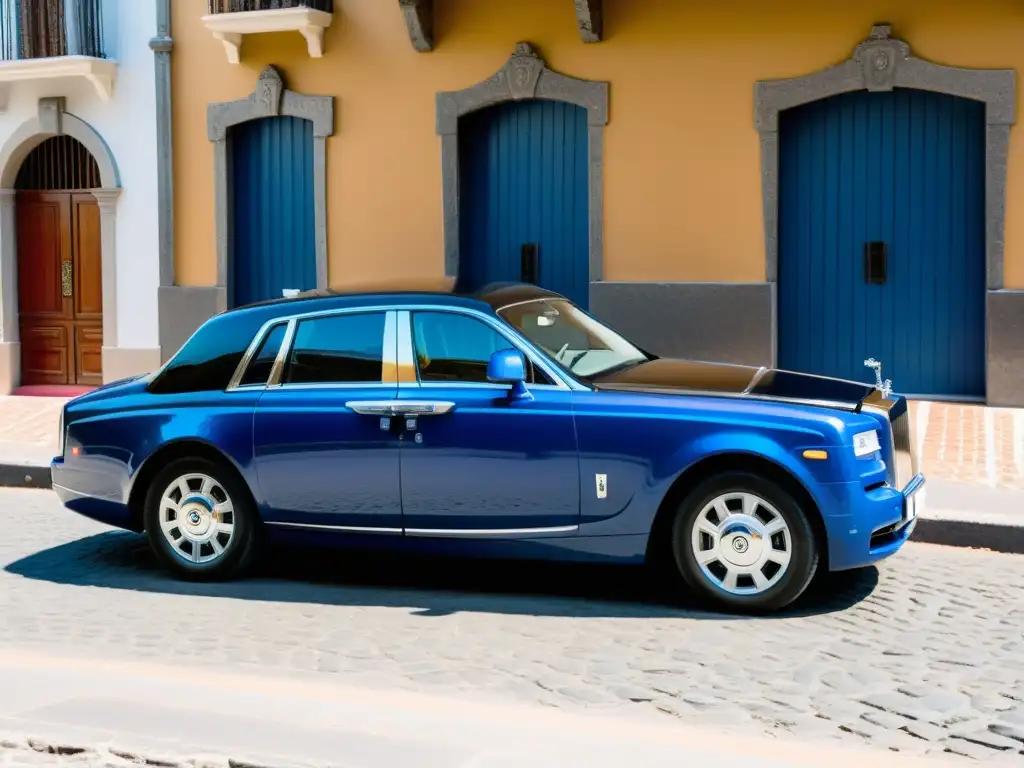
{"x":743,"y":543}
{"x":199,"y":521}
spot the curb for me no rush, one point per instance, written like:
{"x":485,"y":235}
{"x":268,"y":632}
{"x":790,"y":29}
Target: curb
{"x":25,"y":476}
{"x":971,"y":534}
{"x":950,"y":533}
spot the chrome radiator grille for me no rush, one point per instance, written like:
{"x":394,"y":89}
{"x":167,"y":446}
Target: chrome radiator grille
{"x":904,"y":458}
{"x":900,"y":458}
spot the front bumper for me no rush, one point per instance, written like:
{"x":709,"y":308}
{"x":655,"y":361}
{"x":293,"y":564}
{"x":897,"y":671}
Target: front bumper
{"x":873,"y":525}
{"x":89,"y":494}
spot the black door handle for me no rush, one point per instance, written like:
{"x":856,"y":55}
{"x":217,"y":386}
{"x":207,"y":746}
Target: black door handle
{"x":876,"y":262}
{"x":530,"y":263}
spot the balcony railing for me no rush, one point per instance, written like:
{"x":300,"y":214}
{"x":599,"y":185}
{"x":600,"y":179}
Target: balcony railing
{"x":242,"y":6}
{"x":38,"y":29}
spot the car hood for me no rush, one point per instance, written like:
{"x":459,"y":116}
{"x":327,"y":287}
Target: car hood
{"x":111,"y":389}
{"x":669,"y":376}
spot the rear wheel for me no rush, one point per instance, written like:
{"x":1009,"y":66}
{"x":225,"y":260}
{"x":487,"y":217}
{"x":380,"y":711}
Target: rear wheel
{"x":200,"y":521}
{"x":741,"y":542}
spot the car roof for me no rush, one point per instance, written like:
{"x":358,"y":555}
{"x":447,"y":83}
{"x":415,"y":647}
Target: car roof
{"x":398,"y":292}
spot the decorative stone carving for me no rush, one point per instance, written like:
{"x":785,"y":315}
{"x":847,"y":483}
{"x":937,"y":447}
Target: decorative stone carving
{"x":523,"y":71}
{"x":270,"y":98}
{"x":590,"y":20}
{"x":525,"y":75}
{"x":419,"y":21}
{"x":269,"y":89}
{"x":879,"y":57}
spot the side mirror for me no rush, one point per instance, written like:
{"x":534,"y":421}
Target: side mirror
{"x":507,"y":366}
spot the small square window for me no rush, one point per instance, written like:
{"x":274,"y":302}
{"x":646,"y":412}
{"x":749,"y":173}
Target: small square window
{"x":262,"y":362}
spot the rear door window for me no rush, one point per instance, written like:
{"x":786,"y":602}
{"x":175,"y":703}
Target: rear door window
{"x":337,"y":349}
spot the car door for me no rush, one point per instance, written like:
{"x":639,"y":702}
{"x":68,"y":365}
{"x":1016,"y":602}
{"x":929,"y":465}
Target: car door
{"x":325,"y":452}
{"x":476,"y":462}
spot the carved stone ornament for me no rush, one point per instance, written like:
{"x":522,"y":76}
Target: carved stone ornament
{"x":879,"y":56}
{"x":523,"y":70}
{"x":268,"y":92}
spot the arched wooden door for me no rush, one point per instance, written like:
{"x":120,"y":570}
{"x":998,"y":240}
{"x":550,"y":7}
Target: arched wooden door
{"x":60,"y":285}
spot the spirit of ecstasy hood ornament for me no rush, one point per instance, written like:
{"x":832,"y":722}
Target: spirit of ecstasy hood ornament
{"x":884,"y":386}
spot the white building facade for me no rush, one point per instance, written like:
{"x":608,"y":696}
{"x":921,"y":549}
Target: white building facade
{"x":84,"y":189}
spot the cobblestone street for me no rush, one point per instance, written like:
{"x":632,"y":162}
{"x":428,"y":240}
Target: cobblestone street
{"x":922,"y":655}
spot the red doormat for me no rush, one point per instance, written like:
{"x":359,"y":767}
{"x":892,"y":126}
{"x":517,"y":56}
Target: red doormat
{"x":51,"y":390}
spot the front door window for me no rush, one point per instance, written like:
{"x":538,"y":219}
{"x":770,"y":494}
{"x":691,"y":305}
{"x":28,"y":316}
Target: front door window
{"x":453,"y":347}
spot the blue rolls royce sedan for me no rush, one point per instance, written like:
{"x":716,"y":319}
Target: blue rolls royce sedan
{"x":505,"y":423}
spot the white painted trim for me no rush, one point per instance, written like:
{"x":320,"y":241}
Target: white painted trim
{"x":100,"y":72}
{"x":230,"y":28}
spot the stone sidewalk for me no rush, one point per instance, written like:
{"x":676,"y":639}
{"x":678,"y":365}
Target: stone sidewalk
{"x":28,"y":429}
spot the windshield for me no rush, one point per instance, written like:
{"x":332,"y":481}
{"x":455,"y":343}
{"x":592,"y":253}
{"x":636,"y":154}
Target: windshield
{"x":574,"y":339}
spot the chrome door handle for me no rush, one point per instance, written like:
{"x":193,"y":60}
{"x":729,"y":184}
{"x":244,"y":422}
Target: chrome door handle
{"x":400,"y":407}
{"x":422,"y":407}
{"x":372,"y":407}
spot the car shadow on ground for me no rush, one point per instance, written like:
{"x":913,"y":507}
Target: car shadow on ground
{"x":430,"y":585}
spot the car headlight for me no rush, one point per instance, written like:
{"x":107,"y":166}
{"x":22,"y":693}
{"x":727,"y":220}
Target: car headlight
{"x":866,"y":443}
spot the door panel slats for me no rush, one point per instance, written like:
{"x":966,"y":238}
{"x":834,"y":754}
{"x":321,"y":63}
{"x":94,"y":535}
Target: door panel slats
{"x":273,"y":247}
{"x":523,"y":181}
{"x":905,"y":168}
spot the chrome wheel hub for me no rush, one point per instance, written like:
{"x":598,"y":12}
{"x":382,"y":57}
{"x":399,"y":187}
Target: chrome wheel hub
{"x":197,"y":518}
{"x":741,"y":543}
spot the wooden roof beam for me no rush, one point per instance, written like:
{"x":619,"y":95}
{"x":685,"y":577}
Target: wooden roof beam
{"x":590,"y":20}
{"x":419,"y":20}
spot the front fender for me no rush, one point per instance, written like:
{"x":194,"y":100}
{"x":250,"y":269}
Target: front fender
{"x":788,"y":456}
{"x":645,"y":465}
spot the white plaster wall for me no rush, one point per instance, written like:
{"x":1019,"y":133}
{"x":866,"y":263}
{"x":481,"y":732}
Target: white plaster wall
{"x":128,"y":124}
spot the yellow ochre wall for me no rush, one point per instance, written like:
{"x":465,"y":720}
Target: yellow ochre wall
{"x":682,"y":160}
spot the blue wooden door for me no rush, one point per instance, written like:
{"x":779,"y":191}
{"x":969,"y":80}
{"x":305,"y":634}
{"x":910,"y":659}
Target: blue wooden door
{"x":273,"y":234}
{"x":904,"y":168}
{"x":523,"y":182}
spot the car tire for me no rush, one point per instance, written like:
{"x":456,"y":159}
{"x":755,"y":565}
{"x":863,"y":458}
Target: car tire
{"x":211,"y":532}
{"x":742,"y":543}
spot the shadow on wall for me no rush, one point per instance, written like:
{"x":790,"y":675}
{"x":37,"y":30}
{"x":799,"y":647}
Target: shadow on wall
{"x":432,"y":586}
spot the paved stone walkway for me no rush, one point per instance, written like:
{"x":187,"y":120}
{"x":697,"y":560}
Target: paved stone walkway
{"x":28,"y":429}
{"x":971,"y":443}
{"x":922,"y":655}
